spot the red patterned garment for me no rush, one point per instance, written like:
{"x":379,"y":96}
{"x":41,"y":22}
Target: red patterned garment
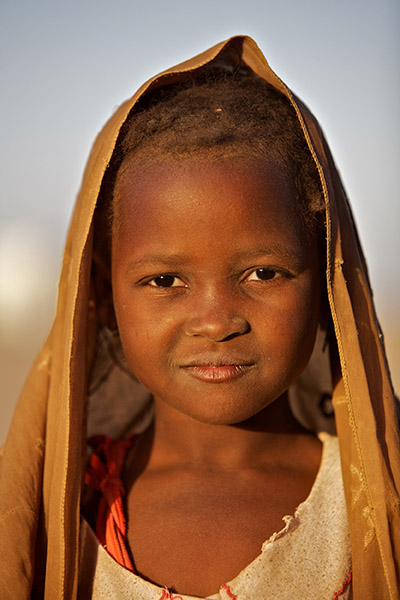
{"x":104,"y":474}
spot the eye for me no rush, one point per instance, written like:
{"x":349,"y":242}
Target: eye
{"x":262,"y":274}
{"x":166,"y":281}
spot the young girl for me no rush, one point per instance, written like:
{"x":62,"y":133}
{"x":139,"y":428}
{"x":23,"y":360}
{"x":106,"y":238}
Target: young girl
{"x":213,"y":299}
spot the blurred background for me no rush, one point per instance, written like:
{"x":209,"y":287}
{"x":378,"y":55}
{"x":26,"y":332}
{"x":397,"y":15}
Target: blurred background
{"x":66,"y":66}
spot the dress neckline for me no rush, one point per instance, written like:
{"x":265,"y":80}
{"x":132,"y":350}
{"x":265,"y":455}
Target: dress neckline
{"x":290,"y":522}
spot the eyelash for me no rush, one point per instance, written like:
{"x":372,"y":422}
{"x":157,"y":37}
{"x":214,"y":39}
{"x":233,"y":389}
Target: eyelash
{"x":166,"y":277}
{"x":271,"y":270}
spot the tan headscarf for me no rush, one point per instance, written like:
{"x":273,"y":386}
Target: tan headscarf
{"x":44,"y":455}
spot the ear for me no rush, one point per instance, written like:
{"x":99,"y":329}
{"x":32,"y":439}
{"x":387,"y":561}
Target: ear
{"x":101,"y":277}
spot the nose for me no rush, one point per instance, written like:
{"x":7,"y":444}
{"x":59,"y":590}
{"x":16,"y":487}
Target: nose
{"x":216,"y":322}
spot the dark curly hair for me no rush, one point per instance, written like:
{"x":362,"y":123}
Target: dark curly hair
{"x":222,"y":112}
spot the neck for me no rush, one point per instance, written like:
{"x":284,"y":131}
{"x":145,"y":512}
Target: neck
{"x":268,"y":435}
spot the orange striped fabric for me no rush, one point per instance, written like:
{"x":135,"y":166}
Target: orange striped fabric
{"x":103,"y":473}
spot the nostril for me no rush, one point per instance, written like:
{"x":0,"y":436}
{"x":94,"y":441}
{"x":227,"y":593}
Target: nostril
{"x":233,"y":335}
{"x":218,"y":327}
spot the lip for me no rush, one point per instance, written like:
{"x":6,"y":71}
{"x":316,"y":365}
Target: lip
{"x":217,"y":371}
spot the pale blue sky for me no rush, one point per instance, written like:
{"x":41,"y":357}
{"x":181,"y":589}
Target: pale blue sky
{"x":66,"y":65}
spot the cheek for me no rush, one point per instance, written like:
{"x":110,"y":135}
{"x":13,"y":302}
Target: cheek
{"x":303,"y":321}
{"x":138,"y":346}
{"x":146,"y":336}
{"x":290,"y":325}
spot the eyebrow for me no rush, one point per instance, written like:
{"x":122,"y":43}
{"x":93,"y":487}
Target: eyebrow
{"x":278,"y":250}
{"x":157,"y":259}
{"x":179,"y":259}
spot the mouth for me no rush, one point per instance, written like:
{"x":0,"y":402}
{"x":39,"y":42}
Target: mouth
{"x":217,"y":371}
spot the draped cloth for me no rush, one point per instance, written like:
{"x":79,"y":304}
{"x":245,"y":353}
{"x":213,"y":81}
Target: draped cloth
{"x":44,"y":456}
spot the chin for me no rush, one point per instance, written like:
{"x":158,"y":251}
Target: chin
{"x":227,"y":414}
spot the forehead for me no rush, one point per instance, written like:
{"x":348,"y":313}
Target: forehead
{"x":210,"y":212}
{"x":204,"y":189}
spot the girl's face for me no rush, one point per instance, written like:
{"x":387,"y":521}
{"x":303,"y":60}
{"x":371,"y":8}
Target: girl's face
{"x":216,"y":285}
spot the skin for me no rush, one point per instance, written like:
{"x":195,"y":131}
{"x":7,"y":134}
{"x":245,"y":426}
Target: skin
{"x":216,"y":291}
